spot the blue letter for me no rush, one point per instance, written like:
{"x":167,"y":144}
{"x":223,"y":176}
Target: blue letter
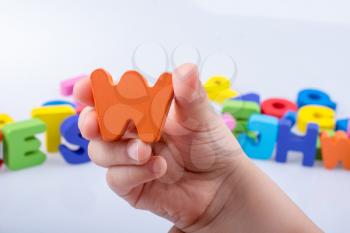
{"x":288,"y":141}
{"x":267,"y":128}
{"x":71,"y":133}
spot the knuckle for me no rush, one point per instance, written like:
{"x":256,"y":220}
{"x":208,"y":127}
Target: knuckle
{"x":95,"y":155}
{"x":113,"y":181}
{"x":110,"y":179}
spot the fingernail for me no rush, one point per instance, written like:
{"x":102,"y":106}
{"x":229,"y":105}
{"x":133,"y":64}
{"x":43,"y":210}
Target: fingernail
{"x":82,"y":116}
{"x":185,"y":71}
{"x":133,"y":150}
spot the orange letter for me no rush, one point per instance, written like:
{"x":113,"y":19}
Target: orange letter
{"x":131,"y":100}
{"x":335,"y":149}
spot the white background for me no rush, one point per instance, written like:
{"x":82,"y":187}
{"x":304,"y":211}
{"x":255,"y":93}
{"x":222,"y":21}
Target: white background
{"x":280,"y":47}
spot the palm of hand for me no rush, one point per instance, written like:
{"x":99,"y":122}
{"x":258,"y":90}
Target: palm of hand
{"x":197,"y":166}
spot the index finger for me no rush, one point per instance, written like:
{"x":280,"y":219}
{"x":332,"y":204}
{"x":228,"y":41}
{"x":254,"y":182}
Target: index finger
{"x":83,"y":93}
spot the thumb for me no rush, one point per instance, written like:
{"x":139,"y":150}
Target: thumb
{"x":191,"y":101}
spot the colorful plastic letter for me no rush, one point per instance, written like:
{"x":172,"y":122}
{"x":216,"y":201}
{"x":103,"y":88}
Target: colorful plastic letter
{"x":4,"y":119}
{"x":263,"y":146}
{"x":241,"y":127}
{"x":229,"y":121}
{"x":22,"y":149}
{"x":277,"y":107}
{"x":241,"y":110}
{"x":219,"y":89}
{"x":58,"y":102}
{"x":288,"y":141}
{"x":251,"y":97}
{"x":321,"y":115}
{"x":1,"y":149}
{"x":131,"y":100}
{"x":291,"y":116}
{"x":68,"y":85}
{"x":335,"y":149}
{"x":342,"y":124}
{"x":53,"y":116}
{"x":315,"y":97}
{"x":71,"y":133}
{"x":318,"y":146}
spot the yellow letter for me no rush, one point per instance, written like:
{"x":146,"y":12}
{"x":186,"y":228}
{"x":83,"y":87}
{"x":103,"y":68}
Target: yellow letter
{"x":4,"y":119}
{"x":321,"y":115}
{"x":53,"y":116}
{"x":218,"y":89}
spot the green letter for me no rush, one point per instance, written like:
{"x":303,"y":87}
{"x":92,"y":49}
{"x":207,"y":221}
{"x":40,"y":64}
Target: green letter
{"x":21,"y":147}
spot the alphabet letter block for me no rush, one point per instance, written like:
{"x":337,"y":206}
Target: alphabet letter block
{"x":229,"y":121}
{"x":277,"y":107}
{"x":320,"y":115}
{"x":318,"y":146}
{"x":250,"y":97}
{"x":71,"y":133}
{"x":342,"y":124}
{"x":4,"y":119}
{"x":21,"y":146}
{"x":288,"y":141}
{"x":315,"y":97}
{"x":58,"y":102}
{"x":241,"y":127}
{"x":335,"y":149}
{"x":241,"y":110}
{"x":219,"y":89}
{"x":291,"y":116}
{"x":263,"y":146}
{"x":68,"y":85}
{"x":53,"y":116}
{"x":131,"y":100}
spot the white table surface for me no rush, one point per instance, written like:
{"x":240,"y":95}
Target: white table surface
{"x":279,"y":48}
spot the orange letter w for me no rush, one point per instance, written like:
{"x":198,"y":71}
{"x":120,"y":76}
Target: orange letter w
{"x":335,"y":149}
{"x":131,"y":100}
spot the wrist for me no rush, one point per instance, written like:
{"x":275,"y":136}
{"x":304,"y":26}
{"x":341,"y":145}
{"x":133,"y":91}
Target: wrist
{"x":249,"y":201}
{"x":227,"y":205}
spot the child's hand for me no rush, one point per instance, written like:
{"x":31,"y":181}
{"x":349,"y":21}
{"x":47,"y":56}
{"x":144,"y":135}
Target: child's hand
{"x":179,"y":177}
{"x":197,"y":176}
